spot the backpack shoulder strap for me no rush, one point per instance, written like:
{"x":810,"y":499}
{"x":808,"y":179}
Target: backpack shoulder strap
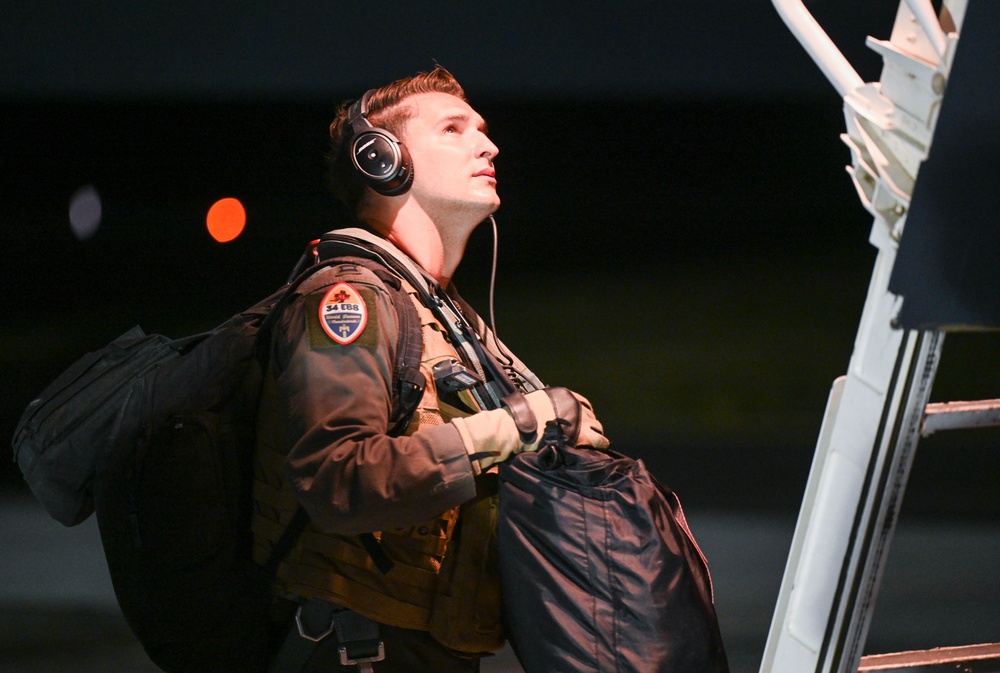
{"x":363,"y":244}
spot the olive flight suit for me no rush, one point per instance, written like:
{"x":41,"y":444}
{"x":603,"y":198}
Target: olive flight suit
{"x":323,"y":443}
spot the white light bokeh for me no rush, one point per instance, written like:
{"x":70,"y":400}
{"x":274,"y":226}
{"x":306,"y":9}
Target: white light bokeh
{"x":85,"y":212}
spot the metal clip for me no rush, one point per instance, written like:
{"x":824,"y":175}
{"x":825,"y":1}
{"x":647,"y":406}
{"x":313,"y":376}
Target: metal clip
{"x":303,"y":627}
{"x":364,"y":664}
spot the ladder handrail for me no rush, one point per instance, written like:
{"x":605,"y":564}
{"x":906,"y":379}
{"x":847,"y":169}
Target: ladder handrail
{"x":829,"y":58}
{"x":819,"y":46}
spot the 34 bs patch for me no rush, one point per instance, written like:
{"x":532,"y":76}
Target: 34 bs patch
{"x":343,"y":314}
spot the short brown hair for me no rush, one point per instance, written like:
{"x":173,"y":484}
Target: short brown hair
{"x":384,"y":111}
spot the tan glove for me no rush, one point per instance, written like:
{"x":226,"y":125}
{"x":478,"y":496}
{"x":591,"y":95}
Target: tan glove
{"x":494,"y":436}
{"x":591,"y":429}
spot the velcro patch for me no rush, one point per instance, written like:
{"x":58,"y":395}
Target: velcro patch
{"x":317,"y":326}
{"x":343,"y":314}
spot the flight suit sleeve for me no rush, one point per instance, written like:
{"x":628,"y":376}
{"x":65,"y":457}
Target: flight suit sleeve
{"x":349,"y":475}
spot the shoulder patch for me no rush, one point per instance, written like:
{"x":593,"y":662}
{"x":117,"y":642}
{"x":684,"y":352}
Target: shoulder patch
{"x":343,"y":314}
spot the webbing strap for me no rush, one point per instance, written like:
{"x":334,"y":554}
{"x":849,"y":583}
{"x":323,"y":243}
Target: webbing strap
{"x":377,"y":553}
{"x":287,"y":540}
{"x":410,"y":380}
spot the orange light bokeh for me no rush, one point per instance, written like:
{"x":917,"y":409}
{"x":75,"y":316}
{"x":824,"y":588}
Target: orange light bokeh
{"x":226,"y":219}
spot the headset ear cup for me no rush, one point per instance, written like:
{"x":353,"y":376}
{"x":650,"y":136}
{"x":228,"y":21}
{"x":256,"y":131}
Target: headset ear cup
{"x":382,"y":160}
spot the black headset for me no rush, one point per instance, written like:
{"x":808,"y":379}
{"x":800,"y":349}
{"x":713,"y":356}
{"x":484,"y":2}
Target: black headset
{"x":378,"y":155}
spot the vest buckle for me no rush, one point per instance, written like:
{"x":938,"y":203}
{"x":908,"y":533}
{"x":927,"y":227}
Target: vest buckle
{"x":364,"y":664}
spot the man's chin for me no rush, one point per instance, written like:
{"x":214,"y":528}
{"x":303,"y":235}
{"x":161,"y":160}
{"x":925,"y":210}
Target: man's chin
{"x":489,"y":205}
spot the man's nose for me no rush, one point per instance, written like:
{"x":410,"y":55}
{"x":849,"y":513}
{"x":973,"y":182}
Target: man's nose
{"x":487,"y":148}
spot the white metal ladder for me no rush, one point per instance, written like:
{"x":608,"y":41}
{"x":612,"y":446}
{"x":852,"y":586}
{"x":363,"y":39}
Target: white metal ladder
{"x":877,"y":411}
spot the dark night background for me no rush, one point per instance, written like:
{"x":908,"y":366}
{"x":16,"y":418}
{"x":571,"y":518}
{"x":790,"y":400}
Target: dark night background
{"x":679,"y":239}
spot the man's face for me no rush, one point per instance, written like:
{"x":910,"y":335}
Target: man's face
{"x":452,"y":157}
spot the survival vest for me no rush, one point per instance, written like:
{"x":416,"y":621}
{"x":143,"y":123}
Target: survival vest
{"x":158,"y":436}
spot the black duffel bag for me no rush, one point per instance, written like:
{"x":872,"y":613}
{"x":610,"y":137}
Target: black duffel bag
{"x":599,"y":569}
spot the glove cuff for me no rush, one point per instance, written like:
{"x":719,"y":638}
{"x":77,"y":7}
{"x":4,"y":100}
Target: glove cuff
{"x":524,"y":417}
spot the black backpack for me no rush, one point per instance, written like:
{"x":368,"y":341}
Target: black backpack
{"x":158,"y":436}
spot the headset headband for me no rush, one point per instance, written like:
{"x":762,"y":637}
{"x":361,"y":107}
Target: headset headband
{"x":357,"y":115}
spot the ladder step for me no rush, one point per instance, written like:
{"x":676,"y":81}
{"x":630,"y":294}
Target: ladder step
{"x":960,"y":415}
{"x":968,"y":659}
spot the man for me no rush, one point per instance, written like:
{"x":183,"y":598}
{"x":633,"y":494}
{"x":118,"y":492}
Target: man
{"x":402,"y":523}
